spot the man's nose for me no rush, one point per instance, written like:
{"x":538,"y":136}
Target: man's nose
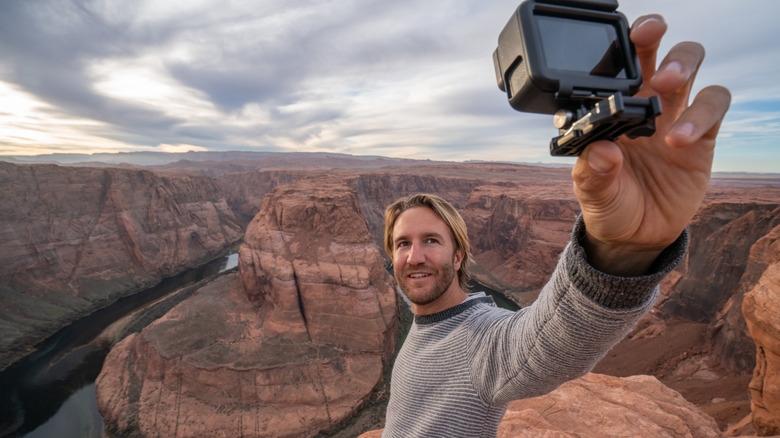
{"x":416,"y":255}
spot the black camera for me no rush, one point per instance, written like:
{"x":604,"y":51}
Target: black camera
{"x":574,"y":59}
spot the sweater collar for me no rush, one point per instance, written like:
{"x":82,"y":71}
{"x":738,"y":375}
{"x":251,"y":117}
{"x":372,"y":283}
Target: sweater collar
{"x":452,"y":311}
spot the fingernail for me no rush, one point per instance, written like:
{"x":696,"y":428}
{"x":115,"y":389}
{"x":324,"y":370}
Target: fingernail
{"x":674,"y":66}
{"x":647,"y":20}
{"x":684,"y":130}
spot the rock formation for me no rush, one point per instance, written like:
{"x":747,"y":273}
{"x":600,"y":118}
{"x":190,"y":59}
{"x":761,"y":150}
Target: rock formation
{"x":717,"y":260}
{"x":732,"y":341}
{"x":597,"y":406}
{"x":761,"y":307}
{"x":291,"y":345}
{"x":517,"y":237}
{"x":76,"y":239}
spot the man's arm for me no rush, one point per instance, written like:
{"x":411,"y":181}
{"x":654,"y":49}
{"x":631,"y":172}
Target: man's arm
{"x":580,"y":315}
{"x":638,"y":195}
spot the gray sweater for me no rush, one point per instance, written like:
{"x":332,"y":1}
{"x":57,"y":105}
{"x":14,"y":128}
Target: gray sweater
{"x":459,"y":369}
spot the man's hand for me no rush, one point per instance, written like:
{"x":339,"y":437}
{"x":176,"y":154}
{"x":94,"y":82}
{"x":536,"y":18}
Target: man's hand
{"x":637,"y":195}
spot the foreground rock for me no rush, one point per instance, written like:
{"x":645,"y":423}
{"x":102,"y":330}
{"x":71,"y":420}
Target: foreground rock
{"x":597,"y":406}
{"x":75,"y":239}
{"x":761,"y":307}
{"x":291,"y":345}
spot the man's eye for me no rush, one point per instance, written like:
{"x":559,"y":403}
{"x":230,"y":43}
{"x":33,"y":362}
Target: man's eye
{"x":401,"y":244}
{"x":431,"y":240}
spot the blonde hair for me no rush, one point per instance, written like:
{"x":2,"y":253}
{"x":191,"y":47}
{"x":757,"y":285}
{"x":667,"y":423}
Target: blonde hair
{"x":446,"y":212}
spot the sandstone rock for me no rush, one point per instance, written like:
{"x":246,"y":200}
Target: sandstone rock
{"x":76,"y":239}
{"x":761,"y":307}
{"x":291,"y":345}
{"x":598,"y":406}
{"x":731,"y":338}
{"x":517,"y":237}
{"x":244,"y":191}
{"x":376,"y":190}
{"x":716,"y":259}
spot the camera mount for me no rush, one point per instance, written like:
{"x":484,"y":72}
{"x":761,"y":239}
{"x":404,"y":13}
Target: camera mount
{"x":574,"y":59}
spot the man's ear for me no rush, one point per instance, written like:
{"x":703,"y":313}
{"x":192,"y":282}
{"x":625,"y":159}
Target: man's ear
{"x":457,"y":258}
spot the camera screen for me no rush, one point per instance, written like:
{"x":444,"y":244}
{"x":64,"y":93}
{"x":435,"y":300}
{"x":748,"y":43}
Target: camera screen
{"x":589,"y":47}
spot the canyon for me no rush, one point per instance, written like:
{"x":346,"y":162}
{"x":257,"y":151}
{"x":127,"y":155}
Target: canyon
{"x":295,"y":347}
{"x":76,"y":239}
{"x":310,"y":318}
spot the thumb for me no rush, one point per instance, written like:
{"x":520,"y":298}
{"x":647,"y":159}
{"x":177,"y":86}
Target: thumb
{"x":595,"y":172}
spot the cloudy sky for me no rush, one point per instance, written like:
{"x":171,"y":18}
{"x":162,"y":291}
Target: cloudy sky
{"x":397,"y":78}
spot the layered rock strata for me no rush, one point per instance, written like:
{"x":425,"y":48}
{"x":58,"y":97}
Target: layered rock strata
{"x":597,"y":406}
{"x":76,"y":239}
{"x":518,"y":236}
{"x":731,"y":338}
{"x":761,"y":307}
{"x":290,"y":346}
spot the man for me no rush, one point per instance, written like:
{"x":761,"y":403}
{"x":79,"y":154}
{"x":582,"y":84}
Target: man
{"x":465,"y":359}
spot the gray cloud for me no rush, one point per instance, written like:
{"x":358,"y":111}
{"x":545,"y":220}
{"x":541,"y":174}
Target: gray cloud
{"x":358,"y":76}
{"x":47,"y":47}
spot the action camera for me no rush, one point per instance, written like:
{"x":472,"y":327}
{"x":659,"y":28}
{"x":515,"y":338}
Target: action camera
{"x":574,"y":59}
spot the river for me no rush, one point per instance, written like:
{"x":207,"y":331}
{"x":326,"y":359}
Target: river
{"x":51,"y":393}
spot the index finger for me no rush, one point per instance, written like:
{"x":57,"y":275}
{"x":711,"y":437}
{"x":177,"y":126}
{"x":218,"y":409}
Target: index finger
{"x":646,"y":34}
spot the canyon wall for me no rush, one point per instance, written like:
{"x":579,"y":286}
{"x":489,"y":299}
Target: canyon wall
{"x":75,"y":239}
{"x":244,"y":191}
{"x":291,"y":345}
{"x":725,"y":260}
{"x":517,"y":237}
{"x":761,"y":307}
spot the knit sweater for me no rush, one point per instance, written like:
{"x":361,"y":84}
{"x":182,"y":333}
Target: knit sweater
{"x":459,"y":369}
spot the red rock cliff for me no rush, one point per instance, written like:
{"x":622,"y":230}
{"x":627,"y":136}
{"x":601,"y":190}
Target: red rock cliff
{"x":761,"y":307}
{"x":290,"y":346}
{"x":517,"y":236}
{"x":76,"y":239}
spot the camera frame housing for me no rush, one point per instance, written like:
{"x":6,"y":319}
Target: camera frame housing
{"x":541,"y":71}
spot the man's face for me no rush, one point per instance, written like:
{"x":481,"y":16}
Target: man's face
{"x":424,"y":257}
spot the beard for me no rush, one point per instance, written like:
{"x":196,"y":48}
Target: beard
{"x":444,"y":278}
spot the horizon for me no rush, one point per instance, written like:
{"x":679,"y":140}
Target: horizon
{"x":397,"y":80}
{"x":67,"y":159}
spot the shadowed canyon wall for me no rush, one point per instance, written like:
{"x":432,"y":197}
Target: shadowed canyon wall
{"x":75,"y":239}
